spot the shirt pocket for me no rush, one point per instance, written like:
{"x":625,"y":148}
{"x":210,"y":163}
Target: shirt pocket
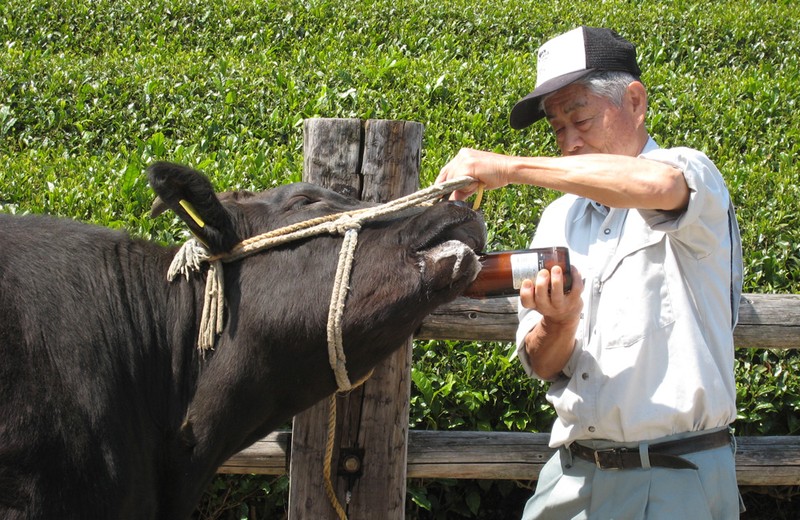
{"x":635,"y":300}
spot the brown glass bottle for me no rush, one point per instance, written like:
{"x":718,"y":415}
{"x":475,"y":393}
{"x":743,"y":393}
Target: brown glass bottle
{"x":502,"y":272}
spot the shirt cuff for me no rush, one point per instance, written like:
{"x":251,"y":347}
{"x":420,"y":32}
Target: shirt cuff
{"x":527,"y":320}
{"x":526,"y":324}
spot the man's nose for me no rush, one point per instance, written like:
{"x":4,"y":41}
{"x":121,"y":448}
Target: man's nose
{"x":571,"y":143}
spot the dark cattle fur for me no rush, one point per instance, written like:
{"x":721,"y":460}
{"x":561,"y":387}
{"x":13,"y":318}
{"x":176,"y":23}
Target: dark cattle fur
{"x":109,"y":411}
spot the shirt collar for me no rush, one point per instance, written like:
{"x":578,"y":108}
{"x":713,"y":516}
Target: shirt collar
{"x":585,"y":206}
{"x":649,"y":146}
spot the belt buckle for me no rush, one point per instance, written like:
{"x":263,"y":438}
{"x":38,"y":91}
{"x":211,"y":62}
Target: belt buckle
{"x":616,"y":452}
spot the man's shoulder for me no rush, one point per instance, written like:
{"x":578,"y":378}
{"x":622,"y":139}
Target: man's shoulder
{"x":652,"y":150}
{"x":689,"y":160}
{"x":676,"y":153}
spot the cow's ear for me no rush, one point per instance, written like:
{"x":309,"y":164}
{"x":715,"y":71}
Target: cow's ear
{"x":189,"y":193}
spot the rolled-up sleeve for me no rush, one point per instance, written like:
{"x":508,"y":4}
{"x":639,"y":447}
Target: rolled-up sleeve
{"x":708,"y":205}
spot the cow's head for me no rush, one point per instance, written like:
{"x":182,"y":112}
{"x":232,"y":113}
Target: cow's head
{"x":405,"y":266}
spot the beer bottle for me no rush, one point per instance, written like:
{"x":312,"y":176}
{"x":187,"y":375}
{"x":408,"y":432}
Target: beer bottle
{"x":502,"y":272}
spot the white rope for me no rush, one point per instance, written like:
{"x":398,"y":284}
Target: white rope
{"x":193,"y":254}
{"x":341,"y":284}
{"x":338,"y":223}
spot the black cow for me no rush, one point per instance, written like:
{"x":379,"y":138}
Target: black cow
{"x":108,"y":410}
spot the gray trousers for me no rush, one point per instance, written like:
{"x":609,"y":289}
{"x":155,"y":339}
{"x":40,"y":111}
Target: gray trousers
{"x":572,"y":488}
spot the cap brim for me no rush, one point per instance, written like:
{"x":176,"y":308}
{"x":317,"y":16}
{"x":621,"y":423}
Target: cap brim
{"x":526,"y":111}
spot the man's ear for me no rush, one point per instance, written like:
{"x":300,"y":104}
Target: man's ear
{"x":636,"y":96}
{"x":190,"y":195}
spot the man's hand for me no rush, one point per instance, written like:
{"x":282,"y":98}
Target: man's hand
{"x":489,"y":168}
{"x":546,"y":294}
{"x":550,"y":343}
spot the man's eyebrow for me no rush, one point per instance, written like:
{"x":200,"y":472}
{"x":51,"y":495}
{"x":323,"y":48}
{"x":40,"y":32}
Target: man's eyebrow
{"x":575,"y":105}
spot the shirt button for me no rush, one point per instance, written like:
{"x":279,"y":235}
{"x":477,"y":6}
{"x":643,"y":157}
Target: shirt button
{"x":607,"y":231}
{"x":591,"y":429}
{"x":585,"y":376}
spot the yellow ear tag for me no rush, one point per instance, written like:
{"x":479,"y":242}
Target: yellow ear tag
{"x":192,"y":213}
{"x":478,"y":197}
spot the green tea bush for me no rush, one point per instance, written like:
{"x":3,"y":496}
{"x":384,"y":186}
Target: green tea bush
{"x":93,"y":91}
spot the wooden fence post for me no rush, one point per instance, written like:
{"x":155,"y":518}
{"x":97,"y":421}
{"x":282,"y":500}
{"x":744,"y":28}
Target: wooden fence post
{"x":376,"y":160}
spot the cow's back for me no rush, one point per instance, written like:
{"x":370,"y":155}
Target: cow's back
{"x":79,"y":407}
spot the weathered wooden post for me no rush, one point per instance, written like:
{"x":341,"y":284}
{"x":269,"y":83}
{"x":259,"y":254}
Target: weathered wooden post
{"x":376,"y":160}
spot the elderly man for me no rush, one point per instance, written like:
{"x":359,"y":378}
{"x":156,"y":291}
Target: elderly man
{"x":640,"y":352}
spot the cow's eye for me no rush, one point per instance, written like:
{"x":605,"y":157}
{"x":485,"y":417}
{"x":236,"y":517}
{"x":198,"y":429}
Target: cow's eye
{"x":298,"y":201}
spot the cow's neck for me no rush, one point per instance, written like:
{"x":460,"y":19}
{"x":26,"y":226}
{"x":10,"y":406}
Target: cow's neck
{"x":216,"y":407}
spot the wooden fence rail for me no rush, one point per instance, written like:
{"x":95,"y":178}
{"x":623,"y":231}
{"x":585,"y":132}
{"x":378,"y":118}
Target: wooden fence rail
{"x":765,"y":321}
{"x":760,"y":461}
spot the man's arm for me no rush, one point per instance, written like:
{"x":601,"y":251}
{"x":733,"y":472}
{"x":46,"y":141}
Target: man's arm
{"x":616,"y":181}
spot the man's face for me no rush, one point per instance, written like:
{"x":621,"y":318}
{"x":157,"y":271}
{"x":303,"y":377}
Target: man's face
{"x":586,"y":123}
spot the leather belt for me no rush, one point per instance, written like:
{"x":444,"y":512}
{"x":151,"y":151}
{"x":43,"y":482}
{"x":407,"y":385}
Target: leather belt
{"x":662,"y":455}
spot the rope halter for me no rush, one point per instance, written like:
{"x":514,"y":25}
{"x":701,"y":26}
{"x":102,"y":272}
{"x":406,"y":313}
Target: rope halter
{"x":193,"y":254}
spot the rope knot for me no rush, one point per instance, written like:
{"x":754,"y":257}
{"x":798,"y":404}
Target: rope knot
{"x":345,"y":223}
{"x":188,"y":259}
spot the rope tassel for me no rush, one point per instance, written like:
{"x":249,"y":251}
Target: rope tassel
{"x":213,"y":317}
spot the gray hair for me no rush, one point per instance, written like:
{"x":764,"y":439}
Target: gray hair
{"x":610,"y":84}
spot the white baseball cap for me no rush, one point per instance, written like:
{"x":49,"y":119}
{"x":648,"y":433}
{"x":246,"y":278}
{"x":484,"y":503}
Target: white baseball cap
{"x":569,"y":57}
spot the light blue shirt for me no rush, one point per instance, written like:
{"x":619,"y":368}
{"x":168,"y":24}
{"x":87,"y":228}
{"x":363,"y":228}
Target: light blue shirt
{"x":653,"y":352}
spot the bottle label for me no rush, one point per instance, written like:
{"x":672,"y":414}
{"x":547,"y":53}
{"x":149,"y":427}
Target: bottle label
{"x":524,"y":266}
